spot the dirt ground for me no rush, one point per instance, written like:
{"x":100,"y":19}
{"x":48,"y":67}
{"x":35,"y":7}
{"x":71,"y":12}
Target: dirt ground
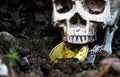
{"x":35,"y":37}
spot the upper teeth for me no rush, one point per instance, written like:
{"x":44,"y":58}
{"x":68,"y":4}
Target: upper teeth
{"x":81,"y":39}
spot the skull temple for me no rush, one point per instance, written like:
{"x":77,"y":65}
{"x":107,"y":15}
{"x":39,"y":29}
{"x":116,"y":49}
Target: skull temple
{"x":80,"y":20}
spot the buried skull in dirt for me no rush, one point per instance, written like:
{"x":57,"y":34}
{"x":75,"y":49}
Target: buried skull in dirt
{"x":87,"y":21}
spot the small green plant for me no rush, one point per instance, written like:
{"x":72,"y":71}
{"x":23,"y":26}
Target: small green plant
{"x":18,"y":48}
{"x":81,"y":74}
{"x":12,"y":53}
{"x":16,"y":35}
{"x":45,"y":38}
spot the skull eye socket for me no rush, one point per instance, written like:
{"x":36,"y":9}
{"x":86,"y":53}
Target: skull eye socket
{"x":94,"y":6}
{"x":63,"y":6}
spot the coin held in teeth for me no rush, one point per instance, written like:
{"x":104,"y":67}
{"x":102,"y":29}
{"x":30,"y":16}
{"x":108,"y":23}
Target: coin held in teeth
{"x":65,"y":50}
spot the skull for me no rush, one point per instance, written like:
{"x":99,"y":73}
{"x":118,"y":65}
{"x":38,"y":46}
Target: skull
{"x":80,"y":20}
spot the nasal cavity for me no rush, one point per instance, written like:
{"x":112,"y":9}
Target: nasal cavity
{"x":77,"y":20}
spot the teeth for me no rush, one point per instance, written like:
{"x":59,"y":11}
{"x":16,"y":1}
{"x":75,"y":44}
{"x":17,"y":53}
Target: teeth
{"x":70,"y":38}
{"x":86,"y":37}
{"x":81,"y":39}
{"x":74,"y":39}
{"x":90,"y":38}
{"x":93,"y":37}
{"x":77,"y":38}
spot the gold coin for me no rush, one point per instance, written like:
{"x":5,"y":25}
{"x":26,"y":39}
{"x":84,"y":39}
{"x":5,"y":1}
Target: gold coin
{"x":63,"y":51}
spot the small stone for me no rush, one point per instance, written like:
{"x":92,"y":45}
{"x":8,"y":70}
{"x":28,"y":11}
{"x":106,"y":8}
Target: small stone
{"x":108,"y":61}
{"x":116,"y":66}
{"x":91,"y":73}
{"x":112,"y":62}
{"x":7,"y":37}
{"x":3,"y":68}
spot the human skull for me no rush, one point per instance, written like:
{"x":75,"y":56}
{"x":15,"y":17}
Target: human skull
{"x":80,"y":19}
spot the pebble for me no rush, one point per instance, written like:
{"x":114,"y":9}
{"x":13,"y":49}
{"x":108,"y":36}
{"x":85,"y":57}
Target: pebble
{"x":7,"y":37}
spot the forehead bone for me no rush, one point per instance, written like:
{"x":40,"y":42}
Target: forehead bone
{"x":100,"y":13}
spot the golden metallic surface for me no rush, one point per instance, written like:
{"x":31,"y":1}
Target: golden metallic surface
{"x":63,"y":50}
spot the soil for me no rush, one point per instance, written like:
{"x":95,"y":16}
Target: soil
{"x":37,"y":37}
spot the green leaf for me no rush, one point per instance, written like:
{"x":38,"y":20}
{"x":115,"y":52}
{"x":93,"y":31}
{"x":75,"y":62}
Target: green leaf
{"x":45,"y":38}
{"x":81,"y":74}
{"x":12,"y":53}
{"x":18,"y":48}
